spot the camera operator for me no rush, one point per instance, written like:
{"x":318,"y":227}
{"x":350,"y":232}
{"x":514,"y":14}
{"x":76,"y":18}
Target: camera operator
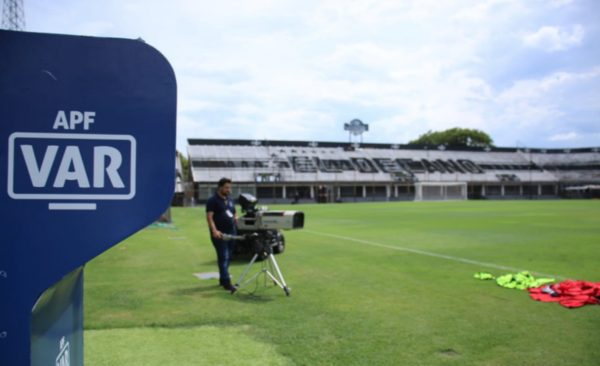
{"x":221,"y":217}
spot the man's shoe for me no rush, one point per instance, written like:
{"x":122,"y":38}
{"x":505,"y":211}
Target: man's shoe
{"x":231,"y":288}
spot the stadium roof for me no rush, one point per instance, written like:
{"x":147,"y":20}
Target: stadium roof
{"x":348,"y":145}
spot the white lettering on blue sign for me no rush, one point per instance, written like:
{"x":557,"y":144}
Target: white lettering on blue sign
{"x":64,"y":357}
{"x":71,"y":166}
{"x":72,"y":156}
{"x":100,"y":152}
{"x":75,"y":118}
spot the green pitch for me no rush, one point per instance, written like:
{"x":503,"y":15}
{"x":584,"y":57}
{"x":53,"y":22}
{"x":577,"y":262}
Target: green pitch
{"x":356,"y":298}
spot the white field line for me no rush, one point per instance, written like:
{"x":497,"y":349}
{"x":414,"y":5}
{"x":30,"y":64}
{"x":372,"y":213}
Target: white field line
{"x":491,"y":265}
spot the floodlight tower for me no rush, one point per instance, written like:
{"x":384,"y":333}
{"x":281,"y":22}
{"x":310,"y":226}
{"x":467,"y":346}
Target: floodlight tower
{"x":356,"y":127}
{"x":13,"y":15}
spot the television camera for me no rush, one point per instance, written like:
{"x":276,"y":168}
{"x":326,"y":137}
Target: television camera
{"x":255,"y":219}
{"x":258,"y":231}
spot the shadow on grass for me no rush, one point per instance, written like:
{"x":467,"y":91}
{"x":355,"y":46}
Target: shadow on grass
{"x":126,"y":299}
{"x":236,"y":260}
{"x":252,"y":297}
{"x":212,"y":291}
{"x":212,"y":262}
{"x":188,"y":291}
{"x":256,"y":293}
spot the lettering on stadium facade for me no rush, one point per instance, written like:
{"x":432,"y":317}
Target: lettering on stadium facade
{"x":306,"y":164}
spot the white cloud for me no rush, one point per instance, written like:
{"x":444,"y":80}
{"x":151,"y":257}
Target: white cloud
{"x":480,"y":10}
{"x":96,"y":29}
{"x":541,"y":103}
{"x":536,"y":88}
{"x":281,"y":70}
{"x":560,"y":3}
{"x":564,"y":137}
{"x":552,"y":39}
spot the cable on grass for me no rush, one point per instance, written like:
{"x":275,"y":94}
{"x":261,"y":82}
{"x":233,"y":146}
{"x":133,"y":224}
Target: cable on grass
{"x":251,"y":295}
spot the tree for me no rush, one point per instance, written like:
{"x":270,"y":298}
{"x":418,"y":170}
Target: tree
{"x":455,"y":137}
{"x":185,"y":166}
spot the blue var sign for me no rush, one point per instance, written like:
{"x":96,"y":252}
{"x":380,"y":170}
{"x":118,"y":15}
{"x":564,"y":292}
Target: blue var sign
{"x":87,"y":158}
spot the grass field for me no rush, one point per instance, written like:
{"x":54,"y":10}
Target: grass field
{"x":356,"y":298}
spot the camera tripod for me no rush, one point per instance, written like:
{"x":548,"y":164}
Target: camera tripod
{"x":269,"y":262}
{"x":272,"y":263}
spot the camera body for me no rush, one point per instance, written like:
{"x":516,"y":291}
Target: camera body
{"x":255,"y":219}
{"x":261,"y":228}
{"x":271,"y":220}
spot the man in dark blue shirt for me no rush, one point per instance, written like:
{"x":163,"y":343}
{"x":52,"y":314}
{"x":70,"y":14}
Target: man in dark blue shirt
{"x":221,"y":217}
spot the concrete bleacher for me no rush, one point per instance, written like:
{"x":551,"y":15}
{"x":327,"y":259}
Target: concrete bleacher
{"x":253,"y":164}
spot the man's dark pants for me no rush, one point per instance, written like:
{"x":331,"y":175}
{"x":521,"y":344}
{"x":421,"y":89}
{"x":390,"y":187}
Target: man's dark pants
{"x":224,"y":253}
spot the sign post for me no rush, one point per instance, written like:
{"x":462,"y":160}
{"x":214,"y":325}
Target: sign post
{"x":87,"y":145}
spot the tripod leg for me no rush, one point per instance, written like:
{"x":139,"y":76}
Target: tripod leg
{"x":237,"y":284}
{"x":248,"y":280}
{"x":275,"y":280}
{"x":271,"y":267}
{"x":265,"y":270}
{"x":274,"y":264}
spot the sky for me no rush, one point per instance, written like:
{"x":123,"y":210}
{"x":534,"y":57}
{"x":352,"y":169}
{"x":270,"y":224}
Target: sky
{"x":525,"y":72}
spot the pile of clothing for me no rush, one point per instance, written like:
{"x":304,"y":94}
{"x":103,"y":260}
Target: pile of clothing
{"x":570,"y":293}
{"x":520,"y":281}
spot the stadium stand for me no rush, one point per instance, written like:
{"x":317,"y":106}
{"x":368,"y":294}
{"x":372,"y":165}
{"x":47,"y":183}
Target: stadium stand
{"x":305,"y":171}
{"x":178,"y":197}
